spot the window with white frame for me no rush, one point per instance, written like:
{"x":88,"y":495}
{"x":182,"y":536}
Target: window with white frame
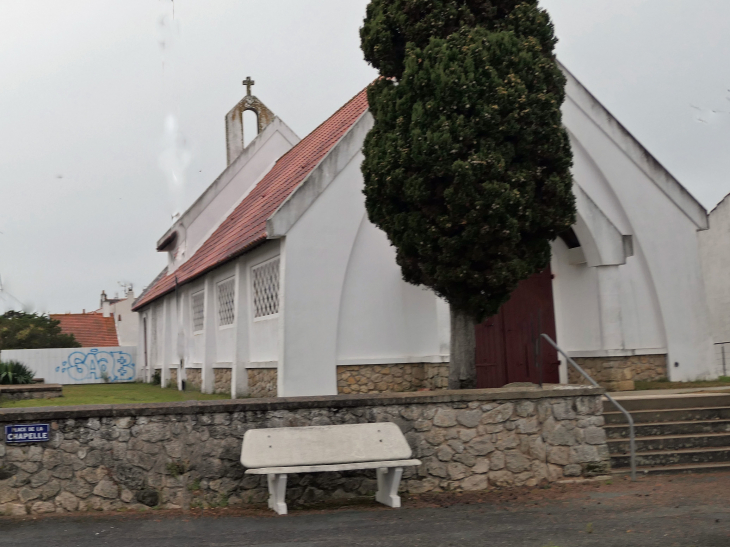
{"x":265,"y":285}
{"x":198,"y":309}
{"x":226,"y":304}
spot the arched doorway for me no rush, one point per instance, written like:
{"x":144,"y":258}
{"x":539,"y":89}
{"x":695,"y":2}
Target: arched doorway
{"x":506,"y":342}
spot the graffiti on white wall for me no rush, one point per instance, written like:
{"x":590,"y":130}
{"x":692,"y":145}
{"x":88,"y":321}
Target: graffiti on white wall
{"x":96,"y":364}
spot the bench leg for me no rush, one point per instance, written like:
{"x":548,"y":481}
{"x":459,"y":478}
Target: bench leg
{"x":388,"y":482}
{"x":277,"y":493}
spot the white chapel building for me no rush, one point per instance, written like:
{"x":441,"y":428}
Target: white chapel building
{"x":277,"y":283}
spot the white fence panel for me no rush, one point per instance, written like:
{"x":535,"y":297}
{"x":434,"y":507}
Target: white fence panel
{"x":78,"y":365}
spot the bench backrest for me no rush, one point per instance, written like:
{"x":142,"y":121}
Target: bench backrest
{"x":327,"y":444}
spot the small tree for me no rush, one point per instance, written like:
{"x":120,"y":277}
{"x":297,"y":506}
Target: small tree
{"x":467,"y":168}
{"x":20,"y":330}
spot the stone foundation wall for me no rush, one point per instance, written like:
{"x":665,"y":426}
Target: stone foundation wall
{"x":262,"y":382}
{"x":173,"y":378}
{"x":30,"y":391}
{"x":222,"y":383}
{"x":436,"y":375}
{"x":620,"y":373}
{"x":129,"y":457}
{"x":193,"y":378}
{"x":400,"y":377}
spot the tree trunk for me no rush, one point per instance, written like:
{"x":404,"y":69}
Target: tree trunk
{"x":462,"y":370}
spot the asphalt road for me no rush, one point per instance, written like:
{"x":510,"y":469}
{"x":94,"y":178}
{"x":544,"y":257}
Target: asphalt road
{"x":685,"y":511}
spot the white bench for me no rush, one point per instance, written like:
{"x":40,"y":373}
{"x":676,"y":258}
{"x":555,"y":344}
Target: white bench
{"x":278,"y":451}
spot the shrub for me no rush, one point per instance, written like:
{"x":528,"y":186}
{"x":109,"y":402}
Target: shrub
{"x":14,"y":372}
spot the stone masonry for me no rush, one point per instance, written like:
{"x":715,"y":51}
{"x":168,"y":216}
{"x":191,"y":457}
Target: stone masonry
{"x":194,"y":378}
{"x":392,"y":378}
{"x":620,"y":373}
{"x":17,"y":392}
{"x":130,"y":457}
{"x":172,"y":382}
{"x":222,"y":383}
{"x":262,"y":382}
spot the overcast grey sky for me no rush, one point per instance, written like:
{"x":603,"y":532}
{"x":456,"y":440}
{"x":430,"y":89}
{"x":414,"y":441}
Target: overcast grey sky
{"x":111,"y":111}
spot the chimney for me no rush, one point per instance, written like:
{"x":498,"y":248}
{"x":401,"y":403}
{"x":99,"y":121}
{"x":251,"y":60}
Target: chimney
{"x":105,"y":305}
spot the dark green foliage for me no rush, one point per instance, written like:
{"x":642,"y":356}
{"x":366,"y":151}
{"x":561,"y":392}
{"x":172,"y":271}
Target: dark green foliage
{"x":467,"y":168}
{"x":391,"y":24}
{"x":19,"y":330}
{"x":13,"y":372}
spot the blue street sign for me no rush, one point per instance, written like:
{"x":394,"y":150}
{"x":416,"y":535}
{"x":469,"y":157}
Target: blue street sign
{"x":33,"y":433}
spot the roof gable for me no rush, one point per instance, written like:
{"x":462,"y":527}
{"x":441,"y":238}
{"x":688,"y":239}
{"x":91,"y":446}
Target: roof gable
{"x":245,"y":227}
{"x":635,"y":151}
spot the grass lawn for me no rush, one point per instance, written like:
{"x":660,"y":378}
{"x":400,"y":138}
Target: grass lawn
{"x":106,"y":394}
{"x":722,"y":381}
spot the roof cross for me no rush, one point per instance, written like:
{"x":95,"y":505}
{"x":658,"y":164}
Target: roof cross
{"x":248,"y":82}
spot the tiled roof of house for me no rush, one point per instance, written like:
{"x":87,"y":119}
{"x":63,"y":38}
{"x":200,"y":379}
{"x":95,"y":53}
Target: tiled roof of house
{"x":245,"y":228}
{"x":92,"y":330}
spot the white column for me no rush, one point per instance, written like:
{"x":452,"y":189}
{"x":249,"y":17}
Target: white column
{"x":609,"y":299}
{"x":209,"y":338}
{"x":281,"y":358}
{"x":165,"y":343}
{"x":241,"y":355}
{"x":186,"y":331}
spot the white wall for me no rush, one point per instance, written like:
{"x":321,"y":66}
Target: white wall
{"x":715,"y":252}
{"x":382,"y":319}
{"x":78,"y":365}
{"x":125,"y":320}
{"x":659,"y":292}
{"x":248,"y":342}
{"x":344,"y":300}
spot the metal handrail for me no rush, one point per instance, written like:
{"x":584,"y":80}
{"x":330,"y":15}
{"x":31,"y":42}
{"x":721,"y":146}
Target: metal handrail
{"x":632,"y":437}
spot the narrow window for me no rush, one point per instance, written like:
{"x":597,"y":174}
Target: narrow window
{"x":226,"y":308}
{"x":265,"y":285}
{"x":198,"y":305}
{"x":250,"y":126}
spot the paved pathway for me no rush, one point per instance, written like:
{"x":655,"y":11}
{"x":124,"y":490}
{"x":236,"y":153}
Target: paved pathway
{"x":668,"y":511}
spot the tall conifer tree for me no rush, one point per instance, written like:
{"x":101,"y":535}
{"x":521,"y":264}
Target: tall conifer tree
{"x":467,"y":168}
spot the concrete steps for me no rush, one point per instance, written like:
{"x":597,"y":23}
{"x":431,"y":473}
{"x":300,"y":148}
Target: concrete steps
{"x":674,"y":433}
{"x":669,"y":428}
{"x":671,"y":442}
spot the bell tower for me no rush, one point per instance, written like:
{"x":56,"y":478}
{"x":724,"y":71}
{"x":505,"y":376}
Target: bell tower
{"x":234,"y":121}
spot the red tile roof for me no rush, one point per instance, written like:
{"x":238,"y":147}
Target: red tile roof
{"x":92,"y":330}
{"x":245,"y":228}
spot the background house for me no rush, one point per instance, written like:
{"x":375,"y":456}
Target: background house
{"x":126,"y":322}
{"x":90,"y":329}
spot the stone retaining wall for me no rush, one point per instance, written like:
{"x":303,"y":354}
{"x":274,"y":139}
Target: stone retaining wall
{"x":620,"y":373}
{"x":181,"y":455}
{"x":30,"y":391}
{"x":396,"y":378}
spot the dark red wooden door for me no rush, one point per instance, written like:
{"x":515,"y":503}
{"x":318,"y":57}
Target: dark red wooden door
{"x":505,"y":343}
